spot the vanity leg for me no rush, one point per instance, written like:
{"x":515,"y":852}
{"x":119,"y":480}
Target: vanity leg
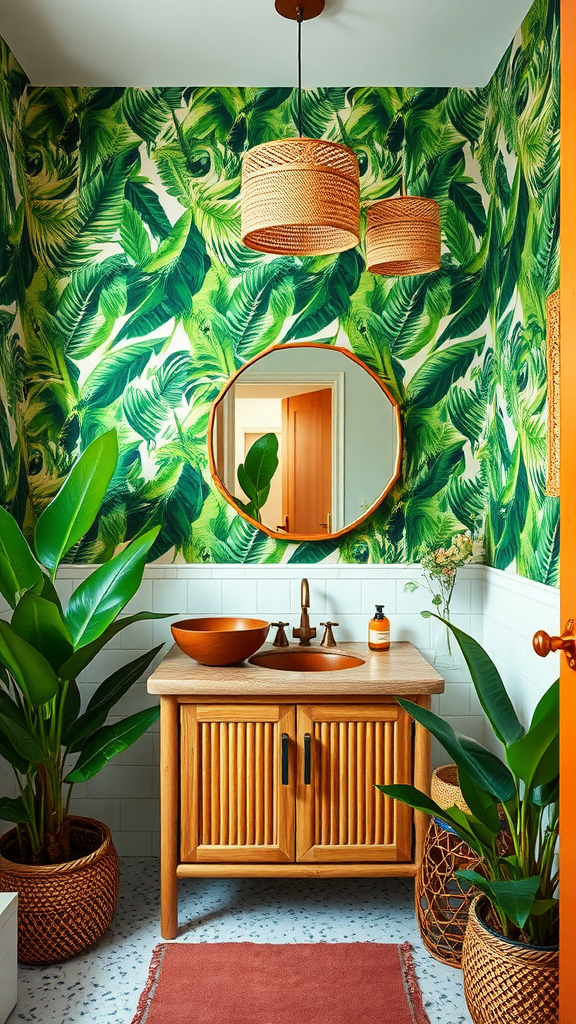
{"x":422,"y":769}
{"x":169,"y":744}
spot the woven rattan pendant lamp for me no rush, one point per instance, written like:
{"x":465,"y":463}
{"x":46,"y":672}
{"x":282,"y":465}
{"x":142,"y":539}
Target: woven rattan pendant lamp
{"x":403,"y":236}
{"x":300,"y":197}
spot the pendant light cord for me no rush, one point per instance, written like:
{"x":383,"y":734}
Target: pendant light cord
{"x":299,"y":19}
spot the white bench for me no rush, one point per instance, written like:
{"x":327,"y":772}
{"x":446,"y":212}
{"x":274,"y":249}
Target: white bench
{"x":8,"y":953}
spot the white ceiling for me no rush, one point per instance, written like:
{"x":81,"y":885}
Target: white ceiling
{"x":244,"y":42}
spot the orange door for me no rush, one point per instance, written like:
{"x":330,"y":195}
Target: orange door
{"x":568,"y":510}
{"x":307,"y":462}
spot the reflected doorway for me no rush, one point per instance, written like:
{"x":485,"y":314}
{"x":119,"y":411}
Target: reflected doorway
{"x":307,"y":418}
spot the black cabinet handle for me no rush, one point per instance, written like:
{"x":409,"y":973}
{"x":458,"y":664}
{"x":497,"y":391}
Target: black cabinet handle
{"x":284,"y":758}
{"x":307,"y":756}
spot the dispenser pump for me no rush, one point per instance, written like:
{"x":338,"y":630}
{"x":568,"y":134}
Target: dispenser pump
{"x":379,"y":631}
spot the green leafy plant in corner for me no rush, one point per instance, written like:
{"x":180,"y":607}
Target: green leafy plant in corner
{"x":255,"y":475}
{"x":45,"y":647}
{"x":520,"y":882}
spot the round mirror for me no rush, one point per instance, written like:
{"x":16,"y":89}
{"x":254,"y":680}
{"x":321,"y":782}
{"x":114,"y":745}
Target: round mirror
{"x":305,"y":441}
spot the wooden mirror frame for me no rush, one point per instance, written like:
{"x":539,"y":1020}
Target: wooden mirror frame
{"x":298,"y":537}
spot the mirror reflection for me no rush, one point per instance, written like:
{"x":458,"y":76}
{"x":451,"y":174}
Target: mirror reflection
{"x":305,"y":441}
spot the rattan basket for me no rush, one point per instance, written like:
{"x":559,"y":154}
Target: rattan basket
{"x":300,"y":197}
{"x":445,"y":788}
{"x":507,"y":982}
{"x":403,"y":236}
{"x":442,"y":900}
{"x":62,"y":908}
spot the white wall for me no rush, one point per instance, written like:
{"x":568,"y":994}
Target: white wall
{"x":498,"y":608}
{"x":513,"y":609}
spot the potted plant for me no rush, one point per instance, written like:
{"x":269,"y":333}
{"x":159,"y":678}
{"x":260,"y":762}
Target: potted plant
{"x":64,"y":868}
{"x":510,"y":957}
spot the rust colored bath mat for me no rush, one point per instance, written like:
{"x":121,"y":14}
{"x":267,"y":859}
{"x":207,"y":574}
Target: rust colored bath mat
{"x":257,"y":983}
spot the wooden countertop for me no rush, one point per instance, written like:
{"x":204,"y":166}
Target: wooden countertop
{"x":401,"y":671}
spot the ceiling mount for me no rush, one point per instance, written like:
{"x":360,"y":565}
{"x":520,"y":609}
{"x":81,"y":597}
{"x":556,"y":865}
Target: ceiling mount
{"x":290,"y":9}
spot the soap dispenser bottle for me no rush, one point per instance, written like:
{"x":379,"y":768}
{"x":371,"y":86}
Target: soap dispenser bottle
{"x":379,"y":631}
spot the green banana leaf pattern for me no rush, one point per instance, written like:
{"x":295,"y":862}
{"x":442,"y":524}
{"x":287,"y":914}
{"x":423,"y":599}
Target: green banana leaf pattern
{"x":127,"y":300}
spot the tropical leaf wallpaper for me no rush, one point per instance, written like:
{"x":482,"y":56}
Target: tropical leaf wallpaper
{"x":127,"y":300}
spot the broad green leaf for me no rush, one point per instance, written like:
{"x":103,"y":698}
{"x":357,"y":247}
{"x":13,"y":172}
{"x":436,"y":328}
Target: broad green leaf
{"x":247,"y":484}
{"x":10,"y":754}
{"x":260,"y":465}
{"x":514,"y":898}
{"x":534,"y":757}
{"x":488,"y":684}
{"x":434,"y":378}
{"x":487,"y":770}
{"x":109,"y":741}
{"x":82,"y":657}
{"x":312,"y":551}
{"x":106,"y":696}
{"x":18,"y":568}
{"x":101,"y":596}
{"x":32,"y":673}
{"x":17,"y":731}
{"x":114,"y":372}
{"x":146,"y":202}
{"x":13,"y":810}
{"x":481,"y":803}
{"x":39,"y":623}
{"x":71,"y":513}
{"x":133,"y":235}
{"x":421,"y":802}
{"x":72,"y":704}
{"x":169,"y":250}
{"x":540,"y":907}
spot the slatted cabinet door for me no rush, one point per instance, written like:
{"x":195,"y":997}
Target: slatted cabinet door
{"x":342,"y":751}
{"x":237,"y":782}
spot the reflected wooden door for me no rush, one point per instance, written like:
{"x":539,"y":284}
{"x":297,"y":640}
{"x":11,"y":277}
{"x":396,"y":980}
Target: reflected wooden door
{"x":307,"y":462}
{"x":342,"y":751}
{"x":237,"y":782}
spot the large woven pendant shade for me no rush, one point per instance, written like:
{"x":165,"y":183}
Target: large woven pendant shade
{"x":403,"y":236}
{"x":300,"y":197}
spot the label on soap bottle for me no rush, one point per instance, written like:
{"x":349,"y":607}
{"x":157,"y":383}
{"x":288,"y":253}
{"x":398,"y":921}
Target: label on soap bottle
{"x":376,"y":636}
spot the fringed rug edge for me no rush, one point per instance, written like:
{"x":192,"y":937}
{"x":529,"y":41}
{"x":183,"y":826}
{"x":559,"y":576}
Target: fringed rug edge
{"x":145,"y":1000}
{"x":413,"y":991}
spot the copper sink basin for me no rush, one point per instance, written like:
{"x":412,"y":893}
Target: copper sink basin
{"x":220,"y":640}
{"x":306,"y":659}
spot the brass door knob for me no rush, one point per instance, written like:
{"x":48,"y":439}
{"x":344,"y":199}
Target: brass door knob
{"x":543,"y":643}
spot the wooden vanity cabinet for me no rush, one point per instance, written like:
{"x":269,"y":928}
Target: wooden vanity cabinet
{"x":282,"y":783}
{"x":258,"y":782}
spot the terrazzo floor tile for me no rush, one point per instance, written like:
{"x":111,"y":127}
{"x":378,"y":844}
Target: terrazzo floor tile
{"x":102,"y":987}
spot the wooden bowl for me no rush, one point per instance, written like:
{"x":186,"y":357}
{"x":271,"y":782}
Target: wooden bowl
{"x":220,"y":641}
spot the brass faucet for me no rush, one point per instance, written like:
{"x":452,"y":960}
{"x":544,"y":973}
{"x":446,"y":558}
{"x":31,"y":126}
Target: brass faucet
{"x":305,"y":631}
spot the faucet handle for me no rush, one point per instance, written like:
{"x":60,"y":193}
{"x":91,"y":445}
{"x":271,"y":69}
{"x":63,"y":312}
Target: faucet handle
{"x":280,"y":640}
{"x":328,"y":636}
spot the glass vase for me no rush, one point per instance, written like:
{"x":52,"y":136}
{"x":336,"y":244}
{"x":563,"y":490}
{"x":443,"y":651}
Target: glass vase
{"x":446,"y":649}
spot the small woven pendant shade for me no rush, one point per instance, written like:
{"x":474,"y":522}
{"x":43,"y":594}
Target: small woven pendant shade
{"x":300,"y":197}
{"x":403,"y":236}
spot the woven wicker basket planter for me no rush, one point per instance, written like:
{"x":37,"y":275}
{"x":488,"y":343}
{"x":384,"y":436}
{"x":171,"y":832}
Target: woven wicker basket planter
{"x":403,"y":236}
{"x":442,"y":901}
{"x":445,"y":788}
{"x":507,"y":982}
{"x":300,"y":197}
{"x":62,"y":908}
